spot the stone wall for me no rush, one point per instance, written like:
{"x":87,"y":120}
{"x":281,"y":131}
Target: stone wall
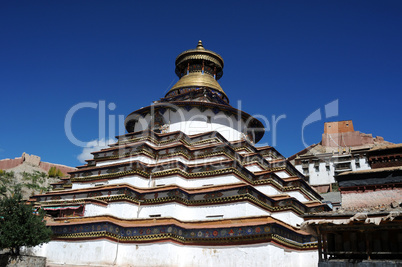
{"x":64,"y":169}
{"x":370,"y":198}
{"x":22,"y":261}
{"x":31,"y":164}
{"x":6,"y":164}
{"x":32,"y":161}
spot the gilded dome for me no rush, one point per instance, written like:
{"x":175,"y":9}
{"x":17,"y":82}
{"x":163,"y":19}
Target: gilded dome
{"x":198,"y":68}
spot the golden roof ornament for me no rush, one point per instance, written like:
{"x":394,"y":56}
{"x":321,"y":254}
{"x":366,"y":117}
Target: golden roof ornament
{"x":200,"y":46}
{"x":198,"y":68}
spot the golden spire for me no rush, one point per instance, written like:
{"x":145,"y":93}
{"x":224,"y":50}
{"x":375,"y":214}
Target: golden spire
{"x":200,"y":46}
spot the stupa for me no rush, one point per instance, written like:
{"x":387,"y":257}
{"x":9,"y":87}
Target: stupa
{"x":184,"y":187}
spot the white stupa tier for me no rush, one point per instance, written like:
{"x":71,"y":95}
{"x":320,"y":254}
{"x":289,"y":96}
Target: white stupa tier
{"x":185,"y":187}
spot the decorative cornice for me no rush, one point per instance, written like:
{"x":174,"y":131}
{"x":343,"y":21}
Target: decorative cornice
{"x":204,"y":196}
{"x":115,"y":171}
{"x":262,"y":230}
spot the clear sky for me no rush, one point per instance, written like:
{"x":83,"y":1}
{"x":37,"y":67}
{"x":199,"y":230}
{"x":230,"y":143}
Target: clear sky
{"x":281,"y":58}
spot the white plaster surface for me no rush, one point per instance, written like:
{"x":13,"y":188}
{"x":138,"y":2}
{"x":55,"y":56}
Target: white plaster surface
{"x":297,"y":195}
{"x":270,"y":190}
{"x":288,"y":217}
{"x":195,"y":122}
{"x":181,"y":212}
{"x":148,"y":160}
{"x":141,"y":182}
{"x":168,"y":254}
{"x":254,"y":168}
{"x":323,"y":176}
{"x":282,"y":174}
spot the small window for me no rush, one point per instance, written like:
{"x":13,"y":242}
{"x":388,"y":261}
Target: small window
{"x":357,"y":162}
{"x":208,"y":119}
{"x":214,"y":216}
{"x":155,"y":215}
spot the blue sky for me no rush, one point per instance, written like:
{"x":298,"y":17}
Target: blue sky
{"x":281,"y":58}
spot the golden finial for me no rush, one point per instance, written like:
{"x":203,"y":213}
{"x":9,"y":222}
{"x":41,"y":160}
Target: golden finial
{"x":200,"y":46}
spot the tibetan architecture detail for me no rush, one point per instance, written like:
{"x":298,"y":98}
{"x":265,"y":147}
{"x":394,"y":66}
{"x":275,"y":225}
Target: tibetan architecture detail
{"x":367,"y":229}
{"x":341,"y":149}
{"x":184,"y":187}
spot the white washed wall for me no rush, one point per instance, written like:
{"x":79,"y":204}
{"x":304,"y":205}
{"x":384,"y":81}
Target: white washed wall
{"x":288,"y":217}
{"x":153,"y":161}
{"x":141,"y":182}
{"x":254,"y":168}
{"x":324,"y":176}
{"x":282,"y":174}
{"x":181,"y":212}
{"x":195,"y":122}
{"x":297,"y":195}
{"x":167,"y":254}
